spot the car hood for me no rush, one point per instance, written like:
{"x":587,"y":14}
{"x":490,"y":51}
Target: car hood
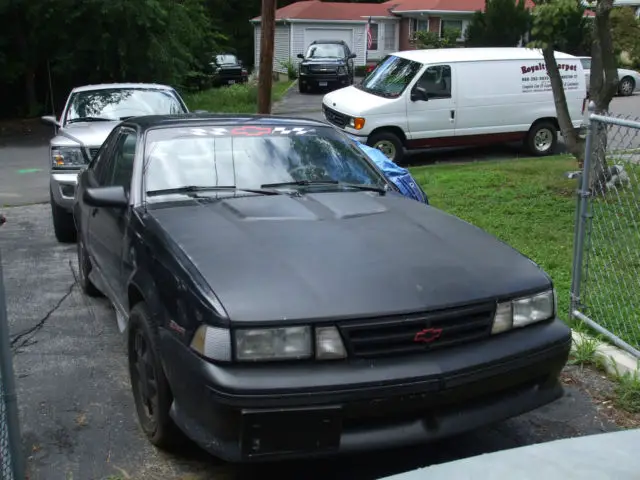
{"x":341,"y":255}
{"x":91,"y":134}
{"x":355,"y":102}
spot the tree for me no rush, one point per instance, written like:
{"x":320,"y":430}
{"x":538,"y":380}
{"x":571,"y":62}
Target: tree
{"x":424,"y":39}
{"x":551,"y":21}
{"x":504,"y":23}
{"x":626,"y":35}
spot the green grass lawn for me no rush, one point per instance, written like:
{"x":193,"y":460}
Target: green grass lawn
{"x":530,"y":204}
{"x":239,"y":98}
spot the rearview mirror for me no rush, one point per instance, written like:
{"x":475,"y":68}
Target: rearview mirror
{"x":419,"y":93}
{"x":114,"y":197}
{"x":51,"y":120}
{"x":300,"y":56}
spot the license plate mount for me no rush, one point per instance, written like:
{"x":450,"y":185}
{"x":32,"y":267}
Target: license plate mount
{"x":231,"y":82}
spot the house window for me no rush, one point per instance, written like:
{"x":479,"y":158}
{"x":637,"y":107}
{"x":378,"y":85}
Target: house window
{"x":450,"y":25}
{"x":423,"y":26}
{"x":389,"y":36}
{"x":372,"y":39}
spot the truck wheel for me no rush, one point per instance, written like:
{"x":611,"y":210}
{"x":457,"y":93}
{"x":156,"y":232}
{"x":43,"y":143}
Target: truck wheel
{"x":388,"y":143}
{"x":63,"y":225}
{"x":151,"y":392}
{"x":303,"y":87}
{"x":542,"y":139}
{"x":626,"y":86}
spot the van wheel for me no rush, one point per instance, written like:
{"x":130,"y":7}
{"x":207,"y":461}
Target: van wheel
{"x":388,"y":143}
{"x":542,"y":139}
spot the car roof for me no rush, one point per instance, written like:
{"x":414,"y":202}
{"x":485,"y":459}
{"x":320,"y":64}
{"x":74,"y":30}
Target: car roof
{"x":105,"y":86}
{"x":148,"y":122}
{"x":451,"y":55}
{"x":341,"y":42}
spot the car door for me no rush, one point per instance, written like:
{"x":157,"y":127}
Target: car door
{"x":432,"y":122}
{"x":109,"y":224}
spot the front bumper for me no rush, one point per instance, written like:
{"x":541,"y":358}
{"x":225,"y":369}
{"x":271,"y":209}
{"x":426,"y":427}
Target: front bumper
{"x":63,"y":187}
{"x":267,"y":412}
{"x":323,"y":80}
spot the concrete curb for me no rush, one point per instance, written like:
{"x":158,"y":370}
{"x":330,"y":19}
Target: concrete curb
{"x":614,"y":360}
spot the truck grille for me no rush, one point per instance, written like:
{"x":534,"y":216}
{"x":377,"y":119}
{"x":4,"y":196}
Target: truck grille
{"x":322,"y":68}
{"x":417,"y":333}
{"x":335,"y":117}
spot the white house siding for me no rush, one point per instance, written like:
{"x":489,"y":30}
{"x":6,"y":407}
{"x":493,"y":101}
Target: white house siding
{"x":281,"y":47}
{"x":298,"y":37}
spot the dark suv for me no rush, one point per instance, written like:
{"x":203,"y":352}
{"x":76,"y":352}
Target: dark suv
{"x":228,"y":69}
{"x":327,"y":63}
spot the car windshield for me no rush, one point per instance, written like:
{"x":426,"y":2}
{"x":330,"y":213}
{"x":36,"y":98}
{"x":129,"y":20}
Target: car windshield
{"x":120,"y":103}
{"x":390,"y":78}
{"x":254,"y":157}
{"x":226,"y":60}
{"x":325,"y":50}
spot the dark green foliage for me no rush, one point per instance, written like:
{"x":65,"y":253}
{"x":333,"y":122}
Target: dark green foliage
{"x":502,"y":24}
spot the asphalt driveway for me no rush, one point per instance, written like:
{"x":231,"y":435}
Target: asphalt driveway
{"x":77,"y":413}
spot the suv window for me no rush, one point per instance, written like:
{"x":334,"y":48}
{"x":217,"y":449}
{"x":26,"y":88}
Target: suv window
{"x":326,"y":50}
{"x":436,"y":81}
{"x":121,"y":166}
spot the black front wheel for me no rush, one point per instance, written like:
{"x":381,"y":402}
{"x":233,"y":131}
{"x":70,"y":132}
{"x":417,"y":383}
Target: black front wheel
{"x":64,"y":226}
{"x":84,"y":269}
{"x":149,"y":384}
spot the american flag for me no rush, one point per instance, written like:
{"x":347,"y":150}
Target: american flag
{"x":369,"y":36}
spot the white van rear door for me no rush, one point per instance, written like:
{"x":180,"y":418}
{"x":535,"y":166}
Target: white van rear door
{"x":436,"y":117}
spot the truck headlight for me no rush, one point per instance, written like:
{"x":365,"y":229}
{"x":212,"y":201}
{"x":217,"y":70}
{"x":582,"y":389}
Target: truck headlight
{"x":356,"y":123}
{"x":67,"y":156}
{"x":524,"y":311}
{"x":286,"y":343}
{"x":342,"y":70}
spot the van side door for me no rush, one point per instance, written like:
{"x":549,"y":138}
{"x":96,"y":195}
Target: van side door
{"x":431,"y":108}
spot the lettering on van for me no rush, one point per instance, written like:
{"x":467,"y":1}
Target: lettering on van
{"x":535,"y":78}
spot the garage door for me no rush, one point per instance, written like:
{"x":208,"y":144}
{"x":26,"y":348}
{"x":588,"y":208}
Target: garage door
{"x":311,"y":34}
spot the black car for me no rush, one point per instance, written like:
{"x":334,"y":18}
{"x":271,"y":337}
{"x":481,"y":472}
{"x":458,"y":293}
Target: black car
{"x":228,"y":70}
{"x":327,"y":63}
{"x":281,"y":299}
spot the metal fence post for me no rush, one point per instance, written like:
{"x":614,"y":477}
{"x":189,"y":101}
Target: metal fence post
{"x":581,"y":214}
{"x":9,"y":390}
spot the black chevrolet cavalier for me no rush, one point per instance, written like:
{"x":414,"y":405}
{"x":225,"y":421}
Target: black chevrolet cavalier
{"x":281,"y":299}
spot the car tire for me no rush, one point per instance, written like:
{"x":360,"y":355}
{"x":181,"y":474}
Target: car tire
{"x":303,"y":87}
{"x":388,"y":143}
{"x":144,"y":362}
{"x":626,"y":86}
{"x":64,"y":226}
{"x":84,"y":269}
{"x":542,"y":139}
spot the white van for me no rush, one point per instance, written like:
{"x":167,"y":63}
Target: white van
{"x":458,"y":97}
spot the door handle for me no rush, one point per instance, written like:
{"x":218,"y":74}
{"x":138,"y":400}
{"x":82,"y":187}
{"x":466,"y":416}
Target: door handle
{"x":453,"y":116}
{"x":94,"y":211}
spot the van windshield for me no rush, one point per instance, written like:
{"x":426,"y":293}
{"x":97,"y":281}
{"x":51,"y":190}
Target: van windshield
{"x":391,"y":77}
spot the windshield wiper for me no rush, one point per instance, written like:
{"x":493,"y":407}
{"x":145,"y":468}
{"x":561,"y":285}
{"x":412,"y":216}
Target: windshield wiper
{"x":92,"y":119}
{"x":306,"y":183}
{"x":212,"y":188}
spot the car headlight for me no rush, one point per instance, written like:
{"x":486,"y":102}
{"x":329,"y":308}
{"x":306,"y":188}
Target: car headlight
{"x":67,"y":156}
{"x":263,"y":344}
{"x":356,"y":123}
{"x":524,"y":311}
{"x":342,"y":71}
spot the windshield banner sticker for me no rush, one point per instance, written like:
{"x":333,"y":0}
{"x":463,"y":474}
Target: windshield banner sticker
{"x":250,"y":131}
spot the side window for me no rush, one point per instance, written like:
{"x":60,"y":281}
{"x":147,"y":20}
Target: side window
{"x":100,"y":163}
{"x":121,"y":167}
{"x":436,"y":81}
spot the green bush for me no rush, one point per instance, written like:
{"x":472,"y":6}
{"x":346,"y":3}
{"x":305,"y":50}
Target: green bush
{"x":238,"y":98}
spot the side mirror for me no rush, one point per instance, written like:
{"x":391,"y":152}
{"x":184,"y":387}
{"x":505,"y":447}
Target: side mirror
{"x":353,"y":55}
{"x":114,"y":197}
{"x":419,"y":94}
{"x":51,"y":120}
{"x":300,"y":56}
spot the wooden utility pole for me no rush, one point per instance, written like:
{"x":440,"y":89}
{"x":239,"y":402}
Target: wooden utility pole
{"x":267,"y":35}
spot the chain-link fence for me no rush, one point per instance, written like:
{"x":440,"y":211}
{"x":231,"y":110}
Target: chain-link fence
{"x":605,"y":291}
{"x":11,"y":461}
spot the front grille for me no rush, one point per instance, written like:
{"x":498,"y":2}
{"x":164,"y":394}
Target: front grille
{"x":322,"y":68}
{"x":400,"y":334}
{"x":230,"y":72}
{"x":335,"y":117}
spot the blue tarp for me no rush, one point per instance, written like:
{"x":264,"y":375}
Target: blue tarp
{"x":400,"y":177}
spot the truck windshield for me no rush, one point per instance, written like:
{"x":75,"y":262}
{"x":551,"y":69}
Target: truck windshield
{"x":391,"y":77}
